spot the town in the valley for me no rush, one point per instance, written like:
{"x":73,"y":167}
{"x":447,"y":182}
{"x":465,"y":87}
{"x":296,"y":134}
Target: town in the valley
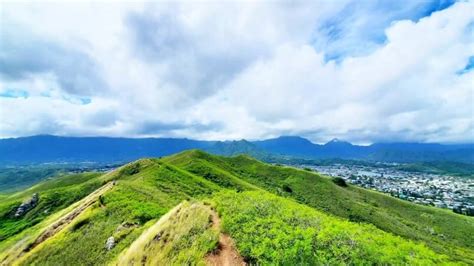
{"x":443,"y":191}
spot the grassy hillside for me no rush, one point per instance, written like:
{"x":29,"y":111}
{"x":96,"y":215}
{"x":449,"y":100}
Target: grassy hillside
{"x":144,"y":191}
{"x":18,"y":178}
{"x":181,"y":237}
{"x":15,"y":179}
{"x":271,"y":230}
{"x":442,"y":230}
{"x":54,"y":194}
{"x":129,"y":205}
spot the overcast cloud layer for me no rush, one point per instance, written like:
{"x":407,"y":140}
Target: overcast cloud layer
{"x":364,"y":71}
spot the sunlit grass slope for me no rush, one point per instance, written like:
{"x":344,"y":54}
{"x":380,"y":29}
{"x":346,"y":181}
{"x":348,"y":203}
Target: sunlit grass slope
{"x":132,"y":209}
{"x":181,"y":237}
{"x":144,"y":191}
{"x":54,"y":195}
{"x":442,"y":230}
{"x":270,"y":230}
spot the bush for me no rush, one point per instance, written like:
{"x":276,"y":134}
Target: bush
{"x":271,"y":230}
{"x":131,"y":169}
{"x":287,"y":188}
{"x":339,"y":181}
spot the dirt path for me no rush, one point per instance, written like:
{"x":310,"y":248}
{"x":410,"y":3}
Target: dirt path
{"x":226,"y":253}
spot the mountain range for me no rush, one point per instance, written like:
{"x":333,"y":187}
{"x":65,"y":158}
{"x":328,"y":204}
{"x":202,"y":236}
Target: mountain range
{"x":47,"y":149}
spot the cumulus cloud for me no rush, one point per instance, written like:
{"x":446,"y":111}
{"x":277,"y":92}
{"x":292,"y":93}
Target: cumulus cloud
{"x":361,"y":71}
{"x":24,"y":55}
{"x":358,"y":28}
{"x":198,"y":48}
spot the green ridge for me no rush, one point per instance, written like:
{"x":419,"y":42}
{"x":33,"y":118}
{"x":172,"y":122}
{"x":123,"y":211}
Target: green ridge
{"x":312,"y":208}
{"x":271,"y":230}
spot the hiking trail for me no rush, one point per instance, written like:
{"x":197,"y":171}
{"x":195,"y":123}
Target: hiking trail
{"x":226,"y":254}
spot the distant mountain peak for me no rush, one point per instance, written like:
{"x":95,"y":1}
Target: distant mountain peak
{"x":235,"y":142}
{"x":293,"y":138}
{"x":336,"y":141}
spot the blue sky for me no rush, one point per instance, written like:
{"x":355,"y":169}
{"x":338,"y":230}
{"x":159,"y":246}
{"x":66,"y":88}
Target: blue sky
{"x":363,"y":71}
{"x":359,"y":28}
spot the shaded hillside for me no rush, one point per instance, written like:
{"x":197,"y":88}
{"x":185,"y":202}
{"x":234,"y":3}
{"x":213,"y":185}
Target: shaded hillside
{"x":388,"y":152}
{"x":16,"y":178}
{"x":47,"y":149}
{"x":119,"y":217}
{"x":232,"y":148}
{"x":40,"y":149}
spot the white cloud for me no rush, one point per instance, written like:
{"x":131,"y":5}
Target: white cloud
{"x":240,"y":70}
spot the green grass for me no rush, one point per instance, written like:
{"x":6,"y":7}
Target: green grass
{"x":54,"y":195}
{"x":270,"y":230}
{"x":18,"y":178}
{"x":145,"y":190}
{"x":14,"y":179}
{"x":84,"y":244}
{"x":442,"y":230}
{"x":318,"y":209}
{"x":182,"y":237}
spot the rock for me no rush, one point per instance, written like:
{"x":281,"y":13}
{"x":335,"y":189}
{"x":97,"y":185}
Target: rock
{"x":27,"y":205}
{"x":110,"y":244}
{"x":124,"y":226}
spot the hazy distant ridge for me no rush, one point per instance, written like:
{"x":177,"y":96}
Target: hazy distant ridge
{"x":41,"y":149}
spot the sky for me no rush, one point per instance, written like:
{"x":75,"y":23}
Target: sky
{"x":363,"y":71}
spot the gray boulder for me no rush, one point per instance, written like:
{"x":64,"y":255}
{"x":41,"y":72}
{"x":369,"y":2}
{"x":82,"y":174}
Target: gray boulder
{"x":27,"y":205}
{"x":110,"y":244}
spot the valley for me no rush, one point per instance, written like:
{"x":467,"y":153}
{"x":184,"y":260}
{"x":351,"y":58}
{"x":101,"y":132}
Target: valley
{"x":441,"y":190}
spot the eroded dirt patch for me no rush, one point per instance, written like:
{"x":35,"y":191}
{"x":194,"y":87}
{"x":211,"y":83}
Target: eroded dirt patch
{"x":226,"y":254}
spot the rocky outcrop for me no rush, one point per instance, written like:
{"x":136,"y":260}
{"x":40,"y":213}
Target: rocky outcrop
{"x":110,"y":244}
{"x":27,"y":205}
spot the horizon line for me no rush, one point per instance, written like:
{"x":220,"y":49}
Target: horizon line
{"x":242,"y":139}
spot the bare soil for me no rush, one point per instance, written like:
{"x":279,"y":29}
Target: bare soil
{"x":226,"y":254}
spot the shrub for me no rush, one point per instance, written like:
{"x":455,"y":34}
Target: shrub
{"x":131,"y":169}
{"x":271,"y":230}
{"x":287,"y":188}
{"x":339,"y":181}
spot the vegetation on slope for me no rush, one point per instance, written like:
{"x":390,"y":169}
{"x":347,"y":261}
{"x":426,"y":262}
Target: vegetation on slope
{"x":181,"y":237}
{"x":442,"y":230}
{"x":147,"y":189}
{"x":54,"y":195}
{"x":271,"y":230}
{"x":16,"y":178}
